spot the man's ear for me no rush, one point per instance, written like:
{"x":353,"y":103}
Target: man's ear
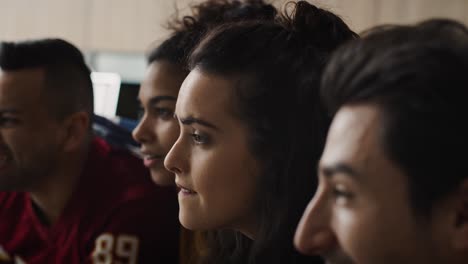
{"x":77,"y":128}
{"x":460,"y":237}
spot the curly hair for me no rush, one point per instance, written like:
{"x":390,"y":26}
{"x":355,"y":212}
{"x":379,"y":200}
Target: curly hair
{"x":188,"y":30}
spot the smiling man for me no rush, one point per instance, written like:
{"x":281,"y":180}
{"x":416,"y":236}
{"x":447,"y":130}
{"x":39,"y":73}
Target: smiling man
{"x":393,"y":186}
{"x":66,"y":196}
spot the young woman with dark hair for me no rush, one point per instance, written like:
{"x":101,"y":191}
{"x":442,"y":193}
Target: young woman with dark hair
{"x":252,"y":131}
{"x":167,"y":68}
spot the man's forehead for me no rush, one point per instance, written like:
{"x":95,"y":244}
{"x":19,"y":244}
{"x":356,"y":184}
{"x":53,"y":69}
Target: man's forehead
{"x":21,"y":84}
{"x":33,"y":71}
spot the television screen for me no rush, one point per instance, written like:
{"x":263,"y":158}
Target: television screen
{"x":127,"y":105}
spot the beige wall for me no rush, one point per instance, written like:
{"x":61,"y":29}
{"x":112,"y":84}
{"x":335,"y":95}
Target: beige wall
{"x":362,"y":14}
{"x":131,"y":25}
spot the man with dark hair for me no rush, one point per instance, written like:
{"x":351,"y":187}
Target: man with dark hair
{"x":393,"y":186}
{"x":65,"y":195}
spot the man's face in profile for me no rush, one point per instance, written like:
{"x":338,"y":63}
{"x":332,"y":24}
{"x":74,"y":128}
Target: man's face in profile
{"x":361,"y":212}
{"x":29,"y":135}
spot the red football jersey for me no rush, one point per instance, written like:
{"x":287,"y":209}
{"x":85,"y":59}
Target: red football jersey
{"x":115,"y":215}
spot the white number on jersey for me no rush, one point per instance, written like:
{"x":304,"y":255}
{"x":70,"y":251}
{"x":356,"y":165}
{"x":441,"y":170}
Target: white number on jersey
{"x":111,"y":249}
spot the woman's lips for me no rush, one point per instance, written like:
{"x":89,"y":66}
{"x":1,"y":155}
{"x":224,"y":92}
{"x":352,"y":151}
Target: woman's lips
{"x":185,"y":191}
{"x":150,"y":161}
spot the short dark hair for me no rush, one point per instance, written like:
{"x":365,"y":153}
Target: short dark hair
{"x":417,"y":76}
{"x":188,"y":30}
{"x":275,"y":67}
{"x":67,"y":77}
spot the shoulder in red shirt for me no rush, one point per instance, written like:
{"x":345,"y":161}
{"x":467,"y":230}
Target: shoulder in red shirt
{"x":116,"y":215}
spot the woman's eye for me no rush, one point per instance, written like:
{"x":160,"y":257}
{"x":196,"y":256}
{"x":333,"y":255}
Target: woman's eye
{"x":164,"y":113}
{"x":340,"y":193}
{"x":140,"y":113}
{"x":199,"y":138}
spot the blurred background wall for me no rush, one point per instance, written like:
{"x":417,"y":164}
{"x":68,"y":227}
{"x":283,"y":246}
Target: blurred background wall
{"x":132,"y":25}
{"x":116,"y":34}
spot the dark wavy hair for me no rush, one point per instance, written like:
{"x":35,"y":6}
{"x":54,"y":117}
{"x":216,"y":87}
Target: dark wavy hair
{"x":67,"y":77}
{"x":276,"y":66}
{"x":188,"y":30}
{"x":417,"y":77}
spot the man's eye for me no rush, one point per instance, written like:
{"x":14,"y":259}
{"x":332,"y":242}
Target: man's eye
{"x":8,"y":121}
{"x":341,"y":195}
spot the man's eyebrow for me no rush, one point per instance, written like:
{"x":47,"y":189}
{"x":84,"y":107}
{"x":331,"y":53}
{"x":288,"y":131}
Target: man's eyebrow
{"x":192,"y":120}
{"x":9,"y":111}
{"x":339,"y":168}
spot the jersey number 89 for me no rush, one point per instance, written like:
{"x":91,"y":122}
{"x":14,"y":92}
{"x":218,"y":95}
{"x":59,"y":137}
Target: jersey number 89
{"x":111,"y":249}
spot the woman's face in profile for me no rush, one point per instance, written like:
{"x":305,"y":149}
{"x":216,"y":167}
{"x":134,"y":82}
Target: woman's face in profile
{"x":214,"y":169}
{"x":158,"y":129}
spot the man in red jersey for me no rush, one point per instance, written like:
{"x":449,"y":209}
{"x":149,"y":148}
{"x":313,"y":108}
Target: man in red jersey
{"x":65,"y":196}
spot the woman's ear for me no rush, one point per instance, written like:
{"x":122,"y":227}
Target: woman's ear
{"x":77,"y":129}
